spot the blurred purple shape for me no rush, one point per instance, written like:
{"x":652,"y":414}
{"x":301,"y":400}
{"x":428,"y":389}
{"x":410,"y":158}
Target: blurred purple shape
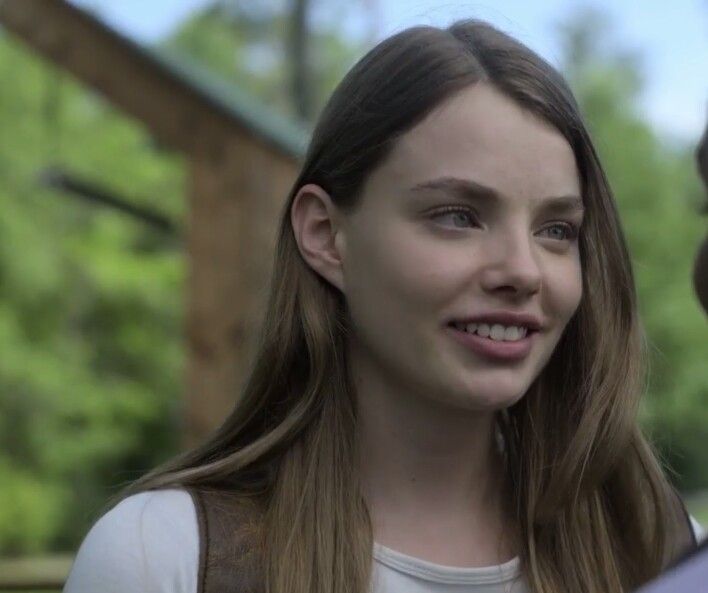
{"x":688,"y":576}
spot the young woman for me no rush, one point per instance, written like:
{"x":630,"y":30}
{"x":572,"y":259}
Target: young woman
{"x":445,"y":395}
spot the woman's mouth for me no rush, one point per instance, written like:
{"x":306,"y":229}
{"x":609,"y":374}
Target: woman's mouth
{"x":495,"y":341}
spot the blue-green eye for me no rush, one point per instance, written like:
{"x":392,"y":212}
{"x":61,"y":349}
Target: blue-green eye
{"x":466,"y":218}
{"x":457,"y":214}
{"x":571,"y":231}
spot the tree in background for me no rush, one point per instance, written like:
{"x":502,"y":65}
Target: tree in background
{"x":272,"y":50}
{"x":91,"y":301}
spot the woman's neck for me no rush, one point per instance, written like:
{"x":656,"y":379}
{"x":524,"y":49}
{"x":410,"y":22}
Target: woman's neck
{"x":433,"y":479}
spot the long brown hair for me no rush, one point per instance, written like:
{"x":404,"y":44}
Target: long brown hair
{"x":594,"y":508}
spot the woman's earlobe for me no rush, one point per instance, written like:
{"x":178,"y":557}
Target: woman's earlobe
{"x":340,"y":249}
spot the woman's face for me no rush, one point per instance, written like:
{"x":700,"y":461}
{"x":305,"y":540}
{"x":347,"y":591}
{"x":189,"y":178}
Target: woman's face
{"x":409,"y":268}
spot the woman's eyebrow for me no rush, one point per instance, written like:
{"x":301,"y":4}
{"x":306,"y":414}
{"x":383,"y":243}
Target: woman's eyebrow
{"x":468,"y":189}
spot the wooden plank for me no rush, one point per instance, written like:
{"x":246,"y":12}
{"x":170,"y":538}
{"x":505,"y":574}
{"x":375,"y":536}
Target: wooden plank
{"x":234,"y":203}
{"x":69,"y":38}
{"x":178,"y":111}
{"x":39,"y":573}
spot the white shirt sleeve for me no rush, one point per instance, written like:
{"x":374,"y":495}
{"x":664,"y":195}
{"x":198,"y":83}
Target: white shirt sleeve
{"x":148,"y":543}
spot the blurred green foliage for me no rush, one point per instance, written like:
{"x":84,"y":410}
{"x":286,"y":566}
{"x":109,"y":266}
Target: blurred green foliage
{"x":90,"y":307}
{"x":91,"y":301}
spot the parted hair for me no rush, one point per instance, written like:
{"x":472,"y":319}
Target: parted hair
{"x":595,"y":509}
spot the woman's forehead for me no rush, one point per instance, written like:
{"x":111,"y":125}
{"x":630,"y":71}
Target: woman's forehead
{"x":481,"y":134}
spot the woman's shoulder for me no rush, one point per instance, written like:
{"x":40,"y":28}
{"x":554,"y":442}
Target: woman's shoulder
{"x":147,"y":542}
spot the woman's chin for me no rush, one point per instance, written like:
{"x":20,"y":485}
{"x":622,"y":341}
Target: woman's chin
{"x":489,"y":399}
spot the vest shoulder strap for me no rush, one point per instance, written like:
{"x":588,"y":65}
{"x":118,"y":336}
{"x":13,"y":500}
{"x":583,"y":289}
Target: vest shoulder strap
{"x":228,"y":559}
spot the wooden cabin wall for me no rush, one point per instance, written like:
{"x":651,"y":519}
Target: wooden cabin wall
{"x":237,"y":190}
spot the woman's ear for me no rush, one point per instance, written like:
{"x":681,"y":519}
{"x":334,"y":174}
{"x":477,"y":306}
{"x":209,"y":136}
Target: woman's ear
{"x":316,"y":224}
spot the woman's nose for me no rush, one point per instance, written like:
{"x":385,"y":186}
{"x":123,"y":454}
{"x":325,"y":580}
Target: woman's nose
{"x":511,"y":265}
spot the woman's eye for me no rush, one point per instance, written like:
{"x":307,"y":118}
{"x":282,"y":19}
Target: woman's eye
{"x":458,"y":216}
{"x":568,"y":231}
{"x":466,"y":218}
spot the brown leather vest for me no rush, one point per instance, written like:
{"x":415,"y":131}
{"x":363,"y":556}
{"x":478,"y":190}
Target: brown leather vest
{"x":227,"y":562}
{"x":227,"y":524}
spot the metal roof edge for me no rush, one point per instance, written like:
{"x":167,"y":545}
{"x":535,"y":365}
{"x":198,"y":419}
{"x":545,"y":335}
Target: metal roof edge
{"x":285,"y":134}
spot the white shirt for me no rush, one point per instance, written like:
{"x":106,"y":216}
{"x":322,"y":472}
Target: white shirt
{"x":149,"y":543}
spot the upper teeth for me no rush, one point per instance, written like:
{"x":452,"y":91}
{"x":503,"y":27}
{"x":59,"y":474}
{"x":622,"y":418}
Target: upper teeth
{"x":497,"y":331}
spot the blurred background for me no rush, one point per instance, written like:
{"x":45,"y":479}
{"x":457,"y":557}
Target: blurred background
{"x":145,"y":150}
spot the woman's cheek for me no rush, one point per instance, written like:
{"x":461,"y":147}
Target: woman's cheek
{"x":567,"y":289}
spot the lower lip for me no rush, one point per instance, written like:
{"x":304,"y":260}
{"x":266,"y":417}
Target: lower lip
{"x":496,"y":350}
